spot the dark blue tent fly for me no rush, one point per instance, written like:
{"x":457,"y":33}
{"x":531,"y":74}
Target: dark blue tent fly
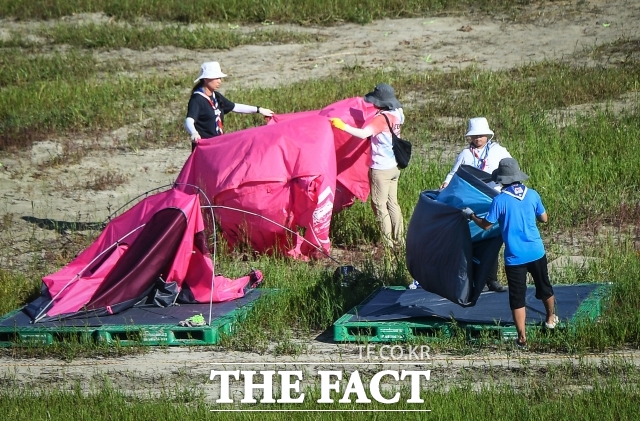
{"x":448,"y":255}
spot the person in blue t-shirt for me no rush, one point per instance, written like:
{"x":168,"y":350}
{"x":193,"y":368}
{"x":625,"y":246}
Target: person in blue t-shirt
{"x":516,"y":209}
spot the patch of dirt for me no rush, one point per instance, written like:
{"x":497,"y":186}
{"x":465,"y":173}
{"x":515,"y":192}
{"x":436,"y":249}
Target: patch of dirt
{"x":31,"y":187}
{"x":170,"y":370}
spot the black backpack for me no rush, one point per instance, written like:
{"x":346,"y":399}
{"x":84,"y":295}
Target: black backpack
{"x":401,"y":147}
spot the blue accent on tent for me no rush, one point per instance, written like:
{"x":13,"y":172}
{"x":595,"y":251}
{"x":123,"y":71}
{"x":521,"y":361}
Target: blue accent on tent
{"x":447,"y":254}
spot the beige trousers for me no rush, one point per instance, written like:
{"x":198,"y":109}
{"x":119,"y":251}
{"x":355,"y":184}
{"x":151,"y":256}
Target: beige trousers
{"x":384,"y":201}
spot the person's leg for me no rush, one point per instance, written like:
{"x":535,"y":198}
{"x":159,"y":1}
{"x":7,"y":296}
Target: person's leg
{"x":492,"y":279}
{"x":517,"y":280}
{"x":395,"y":213}
{"x":519,"y":318}
{"x":544,"y":290}
{"x":380,"y":181}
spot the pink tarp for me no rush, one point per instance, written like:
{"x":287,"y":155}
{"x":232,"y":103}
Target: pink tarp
{"x":296,"y":171}
{"x":353,"y":155}
{"x":74,"y":286}
{"x":284,"y":172}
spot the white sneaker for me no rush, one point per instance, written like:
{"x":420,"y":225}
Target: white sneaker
{"x":553,"y":324}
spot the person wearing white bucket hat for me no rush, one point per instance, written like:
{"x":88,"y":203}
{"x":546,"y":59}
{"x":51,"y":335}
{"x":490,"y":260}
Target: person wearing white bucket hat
{"x":207,"y":107}
{"x":485,"y":155}
{"x":384,"y":172}
{"x":516,"y":209}
{"x":481,"y":153}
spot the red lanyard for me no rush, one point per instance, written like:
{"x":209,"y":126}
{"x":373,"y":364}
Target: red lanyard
{"x":482,"y":162}
{"x":216,"y":111}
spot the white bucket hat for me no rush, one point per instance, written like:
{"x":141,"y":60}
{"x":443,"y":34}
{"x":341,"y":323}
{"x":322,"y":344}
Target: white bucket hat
{"x":210,"y":70}
{"x":478,"y":126}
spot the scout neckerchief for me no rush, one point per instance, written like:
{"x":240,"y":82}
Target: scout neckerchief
{"x":480,"y":159}
{"x":213,"y":101}
{"x":516,"y":190}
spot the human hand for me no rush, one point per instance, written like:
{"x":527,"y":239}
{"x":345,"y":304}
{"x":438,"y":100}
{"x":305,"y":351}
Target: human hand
{"x":443,"y":185}
{"x":195,"y":137}
{"x":266,"y":112}
{"x":467,"y":212}
{"x":338,"y":123}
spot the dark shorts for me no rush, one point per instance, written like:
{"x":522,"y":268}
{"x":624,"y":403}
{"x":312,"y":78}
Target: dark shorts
{"x":517,"y":279}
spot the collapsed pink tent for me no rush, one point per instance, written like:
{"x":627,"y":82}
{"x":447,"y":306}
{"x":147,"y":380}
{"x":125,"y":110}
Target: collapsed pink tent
{"x":290,"y":174}
{"x":155,"y":253}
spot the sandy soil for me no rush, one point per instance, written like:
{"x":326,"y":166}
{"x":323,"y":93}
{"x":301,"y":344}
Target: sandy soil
{"x":555,"y":31}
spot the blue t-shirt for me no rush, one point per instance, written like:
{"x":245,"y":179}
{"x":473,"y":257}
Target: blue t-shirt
{"x":517,"y":219}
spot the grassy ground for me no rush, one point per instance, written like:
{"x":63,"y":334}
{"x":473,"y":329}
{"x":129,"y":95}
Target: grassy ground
{"x":302,"y":11}
{"x":113,"y":35}
{"x":583,"y":170}
{"x":608,"y":400}
{"x":52,"y":84}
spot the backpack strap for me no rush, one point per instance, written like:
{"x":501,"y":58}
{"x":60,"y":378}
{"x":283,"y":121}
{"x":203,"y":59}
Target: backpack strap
{"x":388,"y":124}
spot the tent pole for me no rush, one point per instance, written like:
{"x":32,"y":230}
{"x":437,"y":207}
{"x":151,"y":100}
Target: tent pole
{"x":320,"y":249}
{"x":79,"y":275}
{"x":215,"y":242}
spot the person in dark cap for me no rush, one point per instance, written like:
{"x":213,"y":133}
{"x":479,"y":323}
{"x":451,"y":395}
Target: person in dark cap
{"x":384,"y":172}
{"x":516,"y":209}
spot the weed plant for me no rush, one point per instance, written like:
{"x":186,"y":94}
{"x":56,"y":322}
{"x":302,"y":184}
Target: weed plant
{"x":16,"y":289}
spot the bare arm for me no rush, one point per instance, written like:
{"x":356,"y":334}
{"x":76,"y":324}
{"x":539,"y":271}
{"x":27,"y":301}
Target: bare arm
{"x":543,"y":217}
{"x":481,"y":222}
{"x":361,"y":133}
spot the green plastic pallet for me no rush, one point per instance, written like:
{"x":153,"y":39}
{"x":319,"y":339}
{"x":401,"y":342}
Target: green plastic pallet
{"x":125,"y":335}
{"x":435,"y":329}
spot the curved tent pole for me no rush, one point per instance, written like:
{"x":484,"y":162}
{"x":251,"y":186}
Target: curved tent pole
{"x":320,"y":249}
{"x":215,"y":242}
{"x":108,"y":219}
{"x":39,"y":316}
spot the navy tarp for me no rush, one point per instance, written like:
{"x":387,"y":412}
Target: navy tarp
{"x":393,"y":304}
{"x":145,"y":315}
{"x":447,"y":254}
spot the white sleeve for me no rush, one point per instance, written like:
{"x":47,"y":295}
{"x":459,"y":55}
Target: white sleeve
{"x":189,"y":123}
{"x":456,"y":165}
{"x":506,"y":153}
{"x":245,"y":109}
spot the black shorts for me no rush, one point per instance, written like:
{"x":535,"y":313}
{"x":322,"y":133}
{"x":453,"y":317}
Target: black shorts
{"x":517,"y":279}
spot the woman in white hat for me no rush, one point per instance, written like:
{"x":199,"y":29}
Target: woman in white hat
{"x":481,"y":153}
{"x":207,"y":106}
{"x":384,"y":172}
{"x":484,"y":155}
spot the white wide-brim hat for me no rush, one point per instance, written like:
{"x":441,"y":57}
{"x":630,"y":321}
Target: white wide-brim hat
{"x":210,"y":70}
{"x":478,"y":126}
